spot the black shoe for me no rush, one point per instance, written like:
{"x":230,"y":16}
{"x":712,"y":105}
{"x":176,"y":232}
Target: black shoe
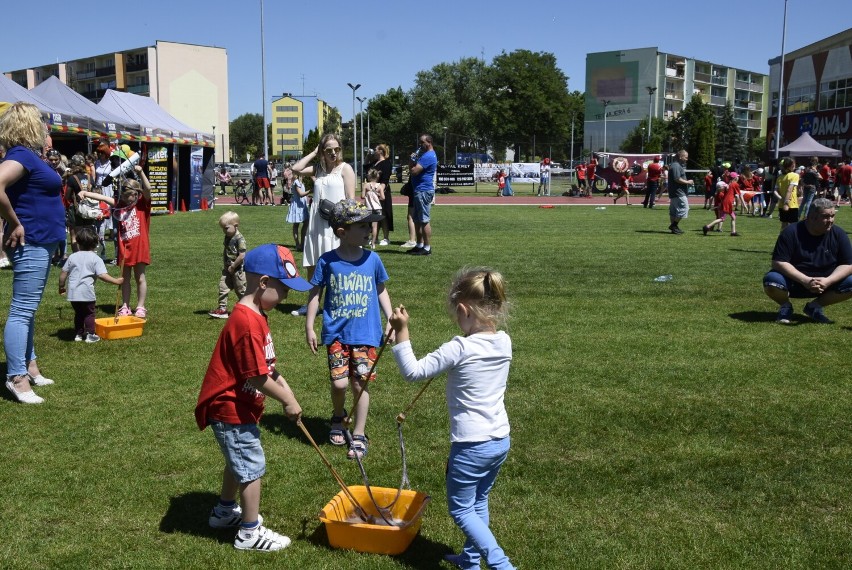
{"x":414,"y":250}
{"x":705,"y":229}
{"x":424,"y":251}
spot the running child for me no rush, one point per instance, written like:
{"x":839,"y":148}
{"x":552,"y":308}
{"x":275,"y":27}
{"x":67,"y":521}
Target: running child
{"x":77,"y":281}
{"x":373,"y":195}
{"x":624,"y":188}
{"x":297,"y":211}
{"x":240,"y":375}
{"x":132,"y":214}
{"x":726,"y":207}
{"x":351,"y":323}
{"x":477,"y":367}
{"x":233,"y":277}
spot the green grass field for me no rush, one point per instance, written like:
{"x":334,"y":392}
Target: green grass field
{"x":654,"y":425}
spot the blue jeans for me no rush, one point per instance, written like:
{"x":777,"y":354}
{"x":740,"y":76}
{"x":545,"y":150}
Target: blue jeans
{"x":30,"y":268}
{"x":807,"y":197}
{"x":471,"y":472}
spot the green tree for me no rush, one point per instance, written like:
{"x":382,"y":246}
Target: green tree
{"x":390,"y":121}
{"x":526,"y":95}
{"x":246,"y":134}
{"x":729,"y":142}
{"x":637,"y":139}
{"x":756,"y":148}
{"x":694,"y":129}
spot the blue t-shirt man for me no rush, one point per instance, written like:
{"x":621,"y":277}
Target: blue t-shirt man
{"x":424,"y":181}
{"x":423,"y":165}
{"x":351,"y":312}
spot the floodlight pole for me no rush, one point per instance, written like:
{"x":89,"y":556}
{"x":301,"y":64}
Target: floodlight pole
{"x":361,"y":117}
{"x":263,"y":81}
{"x":781,"y":87}
{"x":605,"y":103}
{"x":651,"y":91}
{"x":354,"y":128}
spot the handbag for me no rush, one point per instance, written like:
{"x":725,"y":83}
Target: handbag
{"x":406,"y":189}
{"x":87,"y":208}
{"x":325,"y":208}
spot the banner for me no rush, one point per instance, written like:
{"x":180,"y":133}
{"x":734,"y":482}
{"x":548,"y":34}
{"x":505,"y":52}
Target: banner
{"x":196,"y":158}
{"x":158,"y":177}
{"x":455,"y":175}
{"x":520,"y":172}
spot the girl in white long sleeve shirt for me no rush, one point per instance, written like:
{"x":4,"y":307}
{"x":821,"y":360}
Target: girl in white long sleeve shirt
{"x":477,"y":367}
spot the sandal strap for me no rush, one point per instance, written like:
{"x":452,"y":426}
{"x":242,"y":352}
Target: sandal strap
{"x":339,"y":419}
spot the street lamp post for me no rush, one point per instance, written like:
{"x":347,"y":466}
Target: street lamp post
{"x":263,"y":81}
{"x":361,"y":117}
{"x":780,"y":87}
{"x":605,"y":103}
{"x":354,"y":128}
{"x":445,"y":145}
{"x":651,"y":91}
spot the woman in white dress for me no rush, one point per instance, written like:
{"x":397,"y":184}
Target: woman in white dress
{"x":333,"y":180}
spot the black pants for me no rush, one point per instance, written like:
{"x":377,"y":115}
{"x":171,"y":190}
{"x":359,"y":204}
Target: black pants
{"x":84,"y":317}
{"x":651,"y":188}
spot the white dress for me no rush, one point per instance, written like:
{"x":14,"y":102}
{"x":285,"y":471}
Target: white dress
{"x":320,"y":237}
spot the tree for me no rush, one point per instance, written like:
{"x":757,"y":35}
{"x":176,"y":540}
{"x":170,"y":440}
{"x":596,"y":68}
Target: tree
{"x":729,"y":142}
{"x":694,"y":129}
{"x":756,"y":148}
{"x":637,"y":139}
{"x":390,"y":121}
{"x":526,"y":95}
{"x":247,"y":134}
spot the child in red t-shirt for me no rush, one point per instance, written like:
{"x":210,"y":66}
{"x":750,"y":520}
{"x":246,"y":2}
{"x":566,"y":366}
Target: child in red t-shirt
{"x":240,"y":375}
{"x":132,"y":215}
{"x":726,"y":194}
{"x":624,"y":188}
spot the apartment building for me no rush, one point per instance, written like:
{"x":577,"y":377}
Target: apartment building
{"x":624,"y":87}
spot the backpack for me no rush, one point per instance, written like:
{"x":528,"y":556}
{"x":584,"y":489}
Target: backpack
{"x":87,"y":208}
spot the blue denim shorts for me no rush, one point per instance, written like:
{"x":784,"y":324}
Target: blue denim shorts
{"x":422,"y":206}
{"x":240,"y":444}
{"x":796,"y":289}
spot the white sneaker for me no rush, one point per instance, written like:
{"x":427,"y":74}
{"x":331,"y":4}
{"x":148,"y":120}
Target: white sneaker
{"x":384,"y":242}
{"x":408,"y":244}
{"x":28,"y":397}
{"x":78,"y":338}
{"x":39,"y":380}
{"x":4,"y":262}
{"x":90,"y":338}
{"x":228,"y":518}
{"x":260,"y":538}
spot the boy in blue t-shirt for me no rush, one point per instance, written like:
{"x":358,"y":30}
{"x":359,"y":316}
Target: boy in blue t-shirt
{"x":351,"y":324}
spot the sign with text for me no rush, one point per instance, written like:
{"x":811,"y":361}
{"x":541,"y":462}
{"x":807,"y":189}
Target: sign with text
{"x":158,"y":176}
{"x":455,"y":175}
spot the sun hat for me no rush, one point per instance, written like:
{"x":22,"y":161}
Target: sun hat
{"x":275,"y":261}
{"x":348,"y":211}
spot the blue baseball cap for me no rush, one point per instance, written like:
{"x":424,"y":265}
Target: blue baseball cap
{"x":275,"y":261}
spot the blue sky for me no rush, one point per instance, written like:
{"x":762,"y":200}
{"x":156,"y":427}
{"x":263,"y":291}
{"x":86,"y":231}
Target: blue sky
{"x":316,"y":48}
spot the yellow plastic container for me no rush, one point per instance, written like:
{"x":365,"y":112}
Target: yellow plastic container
{"x":126,"y":327}
{"x":346,"y":530}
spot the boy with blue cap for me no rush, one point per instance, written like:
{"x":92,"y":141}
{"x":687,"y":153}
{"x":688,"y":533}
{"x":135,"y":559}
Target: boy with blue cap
{"x":240,"y":375}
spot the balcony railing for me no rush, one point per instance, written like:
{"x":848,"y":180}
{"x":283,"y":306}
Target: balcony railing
{"x":85,"y":75}
{"x":719,"y":80}
{"x":130,"y":67}
{"x":715,"y":100}
{"x":702,"y":77}
{"x":674,"y":95}
{"x":139,"y":89}
{"x":104,"y":71}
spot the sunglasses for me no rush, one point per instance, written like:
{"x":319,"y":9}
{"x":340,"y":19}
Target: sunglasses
{"x":333,"y":151}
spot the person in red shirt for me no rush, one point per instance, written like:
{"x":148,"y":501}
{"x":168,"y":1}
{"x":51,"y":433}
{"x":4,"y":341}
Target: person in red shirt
{"x":652,"y":182}
{"x":624,"y":188}
{"x":590,"y":175}
{"x":844,"y":178}
{"x":241,"y":374}
{"x":825,"y":179}
{"x":727,"y":196}
{"x":581,"y":178}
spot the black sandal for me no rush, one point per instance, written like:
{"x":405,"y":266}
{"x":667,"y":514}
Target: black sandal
{"x":337,"y":431}
{"x":359,"y":447}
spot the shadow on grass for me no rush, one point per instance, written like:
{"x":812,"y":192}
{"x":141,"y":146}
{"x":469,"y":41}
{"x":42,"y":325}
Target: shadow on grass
{"x":278,"y":424}
{"x":666,"y":232}
{"x":761,"y":252}
{"x":423,"y":552}
{"x":768,"y":317}
{"x":188,"y":514}
{"x":66,"y":334}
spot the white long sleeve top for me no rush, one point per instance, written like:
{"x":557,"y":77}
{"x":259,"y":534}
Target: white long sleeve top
{"x":477,"y":368}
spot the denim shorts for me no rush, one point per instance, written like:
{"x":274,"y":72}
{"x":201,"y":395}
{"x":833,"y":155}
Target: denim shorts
{"x":796,"y":289}
{"x":240,"y":444}
{"x":422,"y":206}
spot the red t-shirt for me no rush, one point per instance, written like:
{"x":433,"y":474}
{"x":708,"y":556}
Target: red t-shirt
{"x":244,"y":350}
{"x":727,"y":202}
{"x":581,"y":172}
{"x":134,"y":223}
{"x":825,"y":172}
{"x":844,"y":174}
{"x":590,"y":170}
{"x":655,"y":170}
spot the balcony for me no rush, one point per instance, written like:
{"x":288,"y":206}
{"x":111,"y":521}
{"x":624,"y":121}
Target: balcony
{"x":702,"y":77}
{"x":716,"y":100}
{"x":755,"y":87}
{"x":105,"y":71}
{"x":131,"y":67}
{"x":674,"y":95}
{"x":719,"y":80}
{"x":139,"y":89}
{"x":85,"y":75}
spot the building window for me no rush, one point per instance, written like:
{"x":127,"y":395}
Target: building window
{"x":287,"y":131}
{"x":835,"y":94}
{"x":801,"y":100}
{"x":286,"y":119}
{"x":286,"y":109}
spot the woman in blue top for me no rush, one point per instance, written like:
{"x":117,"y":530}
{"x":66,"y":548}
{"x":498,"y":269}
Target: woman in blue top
{"x":31,"y":204}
